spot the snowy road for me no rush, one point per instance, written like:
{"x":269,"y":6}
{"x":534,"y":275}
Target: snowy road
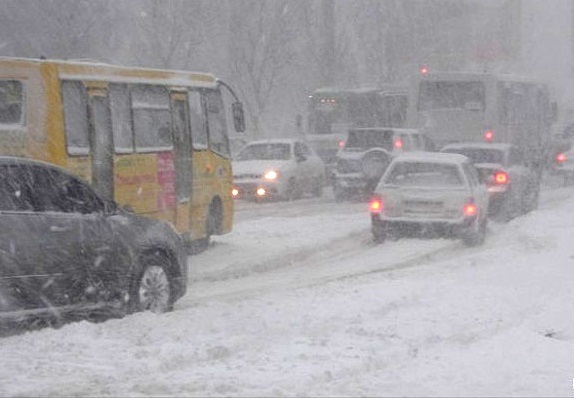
{"x":297,"y":301}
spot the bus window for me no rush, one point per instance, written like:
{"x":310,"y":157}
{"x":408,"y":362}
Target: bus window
{"x":451,"y":95}
{"x":121,"y":118}
{"x":197,"y":121}
{"x":152,"y":118}
{"x":11,"y":102}
{"x":218,"y":140}
{"x":75,"y":117}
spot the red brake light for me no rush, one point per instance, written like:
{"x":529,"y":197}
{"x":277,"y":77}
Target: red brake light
{"x":560,"y":158}
{"x":398,"y":143}
{"x":424,"y":70}
{"x":470,"y":209}
{"x":341,"y":144}
{"x":376,"y":205}
{"x":501,"y":178}
{"x":489,"y":135}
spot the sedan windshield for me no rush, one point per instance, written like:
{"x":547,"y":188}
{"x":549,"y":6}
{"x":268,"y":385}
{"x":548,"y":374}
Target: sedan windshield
{"x":423,"y":174}
{"x":265,"y":152}
{"x":480,"y":155}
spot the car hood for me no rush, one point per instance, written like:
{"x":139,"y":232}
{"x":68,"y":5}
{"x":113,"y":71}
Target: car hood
{"x":259,"y":166}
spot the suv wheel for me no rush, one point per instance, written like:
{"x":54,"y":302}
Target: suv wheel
{"x":152,"y":290}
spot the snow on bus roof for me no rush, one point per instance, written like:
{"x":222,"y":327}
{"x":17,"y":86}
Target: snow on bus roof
{"x":100,"y":71}
{"x":478,"y":145}
{"x":360,"y":90}
{"x":465,"y":76}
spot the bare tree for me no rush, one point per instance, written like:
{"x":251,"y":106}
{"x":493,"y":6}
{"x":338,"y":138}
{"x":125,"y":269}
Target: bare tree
{"x":261,"y":50}
{"x":58,"y":28}
{"x":168,"y":32}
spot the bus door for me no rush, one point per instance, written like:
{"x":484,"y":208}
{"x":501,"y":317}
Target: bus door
{"x":101,"y":142}
{"x":183,"y":163}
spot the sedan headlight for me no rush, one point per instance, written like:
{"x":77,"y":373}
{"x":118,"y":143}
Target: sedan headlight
{"x":271,"y":175}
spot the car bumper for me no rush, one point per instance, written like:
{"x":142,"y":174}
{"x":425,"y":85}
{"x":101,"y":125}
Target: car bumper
{"x":249,"y":189}
{"x":457,"y":226}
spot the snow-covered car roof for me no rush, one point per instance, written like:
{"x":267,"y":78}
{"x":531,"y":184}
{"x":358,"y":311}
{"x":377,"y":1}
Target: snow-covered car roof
{"x":432,"y":157}
{"x":501,"y":146}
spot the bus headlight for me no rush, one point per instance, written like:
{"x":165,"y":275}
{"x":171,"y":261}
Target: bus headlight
{"x":271,"y":175}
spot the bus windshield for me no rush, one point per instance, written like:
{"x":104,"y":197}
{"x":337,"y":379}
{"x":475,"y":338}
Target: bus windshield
{"x":451,"y":95}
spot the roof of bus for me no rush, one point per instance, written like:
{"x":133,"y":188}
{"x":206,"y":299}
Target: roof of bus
{"x":501,"y":146}
{"x":360,"y":90}
{"x":478,"y":76}
{"x":96,"y":71}
{"x":385,"y":129}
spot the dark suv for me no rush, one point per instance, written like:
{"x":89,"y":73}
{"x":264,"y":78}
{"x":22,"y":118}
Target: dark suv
{"x":367,"y":153}
{"x":64,"y":250}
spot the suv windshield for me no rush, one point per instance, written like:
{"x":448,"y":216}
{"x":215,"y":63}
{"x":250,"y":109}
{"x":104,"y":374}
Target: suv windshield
{"x":362,"y":140}
{"x":265,"y":152}
{"x":478,"y":155}
{"x":420,"y":174}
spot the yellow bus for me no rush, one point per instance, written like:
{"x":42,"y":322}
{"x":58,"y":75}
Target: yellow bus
{"x":153,"y":140}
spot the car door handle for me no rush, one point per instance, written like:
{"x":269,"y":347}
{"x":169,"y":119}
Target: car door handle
{"x":55,"y":228}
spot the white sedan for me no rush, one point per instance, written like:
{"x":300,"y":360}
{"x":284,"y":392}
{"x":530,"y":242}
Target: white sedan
{"x":430,"y":192}
{"x":279,"y":168}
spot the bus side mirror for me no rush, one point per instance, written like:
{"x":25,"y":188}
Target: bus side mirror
{"x":238,"y":116}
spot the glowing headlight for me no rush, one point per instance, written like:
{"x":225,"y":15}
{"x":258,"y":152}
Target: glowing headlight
{"x":271,"y":175}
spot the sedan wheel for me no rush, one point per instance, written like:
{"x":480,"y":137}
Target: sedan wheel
{"x":154,"y":290}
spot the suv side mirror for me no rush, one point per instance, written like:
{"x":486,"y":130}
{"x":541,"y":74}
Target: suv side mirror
{"x":238,"y":116}
{"x":300,"y":157}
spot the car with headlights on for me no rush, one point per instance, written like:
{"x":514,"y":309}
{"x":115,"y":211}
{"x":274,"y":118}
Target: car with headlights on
{"x":430,"y":193}
{"x":67,"y":252}
{"x":277,"y":168}
{"x":513,"y":186}
{"x":366,"y":154}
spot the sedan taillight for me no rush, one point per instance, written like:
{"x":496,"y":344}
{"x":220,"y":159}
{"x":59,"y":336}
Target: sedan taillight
{"x":376,"y":205}
{"x":500,"y":178}
{"x":470,"y":210}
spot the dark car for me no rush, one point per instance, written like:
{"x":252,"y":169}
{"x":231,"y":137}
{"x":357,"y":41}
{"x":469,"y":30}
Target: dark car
{"x":64,"y":250}
{"x":512,"y":185}
{"x":367,"y":153}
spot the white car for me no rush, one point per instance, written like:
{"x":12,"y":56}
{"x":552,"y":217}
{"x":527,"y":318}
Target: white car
{"x":279,"y":168}
{"x":430,"y":192}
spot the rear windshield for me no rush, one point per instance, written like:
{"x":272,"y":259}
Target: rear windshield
{"x":265,"y":152}
{"x":361,"y":140}
{"x":424,"y":174}
{"x":477,"y":155}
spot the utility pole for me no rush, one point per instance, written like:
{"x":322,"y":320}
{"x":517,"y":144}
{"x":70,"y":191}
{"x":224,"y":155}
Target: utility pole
{"x":329,"y":42}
